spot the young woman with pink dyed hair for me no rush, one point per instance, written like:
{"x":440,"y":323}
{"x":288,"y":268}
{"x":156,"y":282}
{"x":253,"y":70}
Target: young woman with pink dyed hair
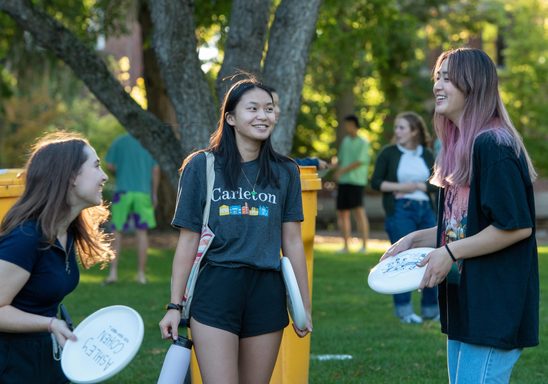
{"x":485,"y":263}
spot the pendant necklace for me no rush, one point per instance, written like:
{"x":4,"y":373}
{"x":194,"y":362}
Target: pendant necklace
{"x":253,"y":193}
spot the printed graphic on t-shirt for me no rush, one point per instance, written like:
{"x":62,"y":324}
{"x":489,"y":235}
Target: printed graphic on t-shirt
{"x":242,"y":202}
{"x":455,"y":215}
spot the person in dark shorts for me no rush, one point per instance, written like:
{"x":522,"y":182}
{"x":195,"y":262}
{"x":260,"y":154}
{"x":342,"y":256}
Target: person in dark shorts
{"x":57,"y":217}
{"x":238,"y":310}
{"x":351,"y":177}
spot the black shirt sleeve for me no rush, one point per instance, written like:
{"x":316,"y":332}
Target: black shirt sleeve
{"x":502,"y":184}
{"x":381,"y":170}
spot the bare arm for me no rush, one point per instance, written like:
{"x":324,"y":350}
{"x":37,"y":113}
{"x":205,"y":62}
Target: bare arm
{"x":187,"y":246}
{"x":391,"y":186}
{"x":350,"y":167}
{"x":422,"y":238}
{"x":489,"y":240}
{"x":13,"y":320}
{"x":292,"y":247}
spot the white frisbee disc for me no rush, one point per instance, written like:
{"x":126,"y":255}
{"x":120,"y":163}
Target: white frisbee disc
{"x":399,"y":273}
{"x":294,"y":299}
{"x":108,"y":339}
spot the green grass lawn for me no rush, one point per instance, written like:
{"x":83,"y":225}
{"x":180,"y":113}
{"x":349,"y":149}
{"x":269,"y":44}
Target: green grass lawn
{"x":349,"y":318}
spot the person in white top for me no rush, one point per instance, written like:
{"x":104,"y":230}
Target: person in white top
{"x":401,"y":172}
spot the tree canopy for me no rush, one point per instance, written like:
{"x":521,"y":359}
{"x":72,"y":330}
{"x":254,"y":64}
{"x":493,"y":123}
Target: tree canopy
{"x":369,"y":57}
{"x":176,"y":56}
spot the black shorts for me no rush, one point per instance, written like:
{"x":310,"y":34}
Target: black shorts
{"x":28,"y":358}
{"x":244,"y":301}
{"x":349,"y":196}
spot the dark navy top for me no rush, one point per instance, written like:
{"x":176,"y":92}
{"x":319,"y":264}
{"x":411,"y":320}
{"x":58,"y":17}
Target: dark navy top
{"x":53,"y":272}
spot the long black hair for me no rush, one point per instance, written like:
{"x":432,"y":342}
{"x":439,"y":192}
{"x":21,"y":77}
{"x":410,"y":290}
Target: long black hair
{"x":223,"y":141}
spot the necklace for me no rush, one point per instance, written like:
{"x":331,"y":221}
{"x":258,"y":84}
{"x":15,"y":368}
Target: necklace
{"x":253,"y":193}
{"x":66,"y":251}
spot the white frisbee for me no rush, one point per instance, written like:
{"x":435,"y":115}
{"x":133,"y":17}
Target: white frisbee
{"x":294,"y":299}
{"x":108,"y":339}
{"x":399,"y":273}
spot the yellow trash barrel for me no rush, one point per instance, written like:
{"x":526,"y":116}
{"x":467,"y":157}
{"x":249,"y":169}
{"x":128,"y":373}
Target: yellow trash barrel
{"x":11,"y":187}
{"x":294,"y":356}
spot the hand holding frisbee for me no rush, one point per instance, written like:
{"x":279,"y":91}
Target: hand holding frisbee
{"x":399,"y":273}
{"x":107,"y":341}
{"x":294,"y":299}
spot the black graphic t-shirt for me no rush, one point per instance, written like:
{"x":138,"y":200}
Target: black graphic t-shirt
{"x":247,"y":221}
{"x":495,"y":301}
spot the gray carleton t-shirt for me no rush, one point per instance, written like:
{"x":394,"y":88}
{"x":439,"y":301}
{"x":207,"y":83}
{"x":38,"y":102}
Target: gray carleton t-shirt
{"x":247,"y":227}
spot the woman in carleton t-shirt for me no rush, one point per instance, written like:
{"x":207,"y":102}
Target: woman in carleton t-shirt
{"x":238,"y":309}
{"x":486,"y":263}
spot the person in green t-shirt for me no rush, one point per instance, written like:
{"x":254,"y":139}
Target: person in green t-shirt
{"x":351,"y":177}
{"x":137,"y":178}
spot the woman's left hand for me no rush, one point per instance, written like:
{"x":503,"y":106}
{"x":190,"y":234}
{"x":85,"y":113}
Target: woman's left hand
{"x":438,"y":264}
{"x":61,"y":331}
{"x":308,"y":329}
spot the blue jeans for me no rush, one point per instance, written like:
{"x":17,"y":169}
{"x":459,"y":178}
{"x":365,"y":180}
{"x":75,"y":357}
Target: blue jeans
{"x":477,"y":364}
{"x":409,"y":216}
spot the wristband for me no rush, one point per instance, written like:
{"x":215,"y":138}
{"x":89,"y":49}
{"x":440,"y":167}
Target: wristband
{"x":450,"y":254}
{"x":50,"y":323}
{"x":174,"y":306}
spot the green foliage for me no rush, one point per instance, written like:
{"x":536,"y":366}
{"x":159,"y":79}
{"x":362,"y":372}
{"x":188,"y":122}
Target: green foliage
{"x":31,"y":111}
{"x":375,"y":50}
{"x":382,"y":52}
{"x":373,"y":55}
{"x":525,"y":73}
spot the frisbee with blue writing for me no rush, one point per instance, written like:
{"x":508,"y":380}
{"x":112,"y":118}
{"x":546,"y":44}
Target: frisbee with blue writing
{"x":108,"y":340}
{"x":399,"y":273}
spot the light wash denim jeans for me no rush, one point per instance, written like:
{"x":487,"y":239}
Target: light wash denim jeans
{"x":477,"y":364}
{"x":409,"y":216}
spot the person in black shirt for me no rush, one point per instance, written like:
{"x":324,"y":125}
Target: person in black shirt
{"x":486,"y":262}
{"x":57,"y":216}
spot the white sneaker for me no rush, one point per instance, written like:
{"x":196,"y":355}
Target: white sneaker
{"x":411,"y":319}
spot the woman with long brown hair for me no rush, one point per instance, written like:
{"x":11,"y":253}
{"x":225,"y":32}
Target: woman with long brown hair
{"x":56,"y":219}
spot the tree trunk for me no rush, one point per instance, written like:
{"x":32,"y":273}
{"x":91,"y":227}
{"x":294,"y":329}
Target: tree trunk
{"x":344,"y":106}
{"x":245,"y":44}
{"x":158,"y":103}
{"x":175,"y":46}
{"x":90,"y":68}
{"x":285,"y":63}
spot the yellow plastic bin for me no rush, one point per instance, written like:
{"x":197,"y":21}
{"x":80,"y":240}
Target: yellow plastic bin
{"x":294,"y":356}
{"x":11,"y":187}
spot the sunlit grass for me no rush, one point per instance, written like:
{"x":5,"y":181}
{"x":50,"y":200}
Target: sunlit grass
{"x":349,"y":318}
